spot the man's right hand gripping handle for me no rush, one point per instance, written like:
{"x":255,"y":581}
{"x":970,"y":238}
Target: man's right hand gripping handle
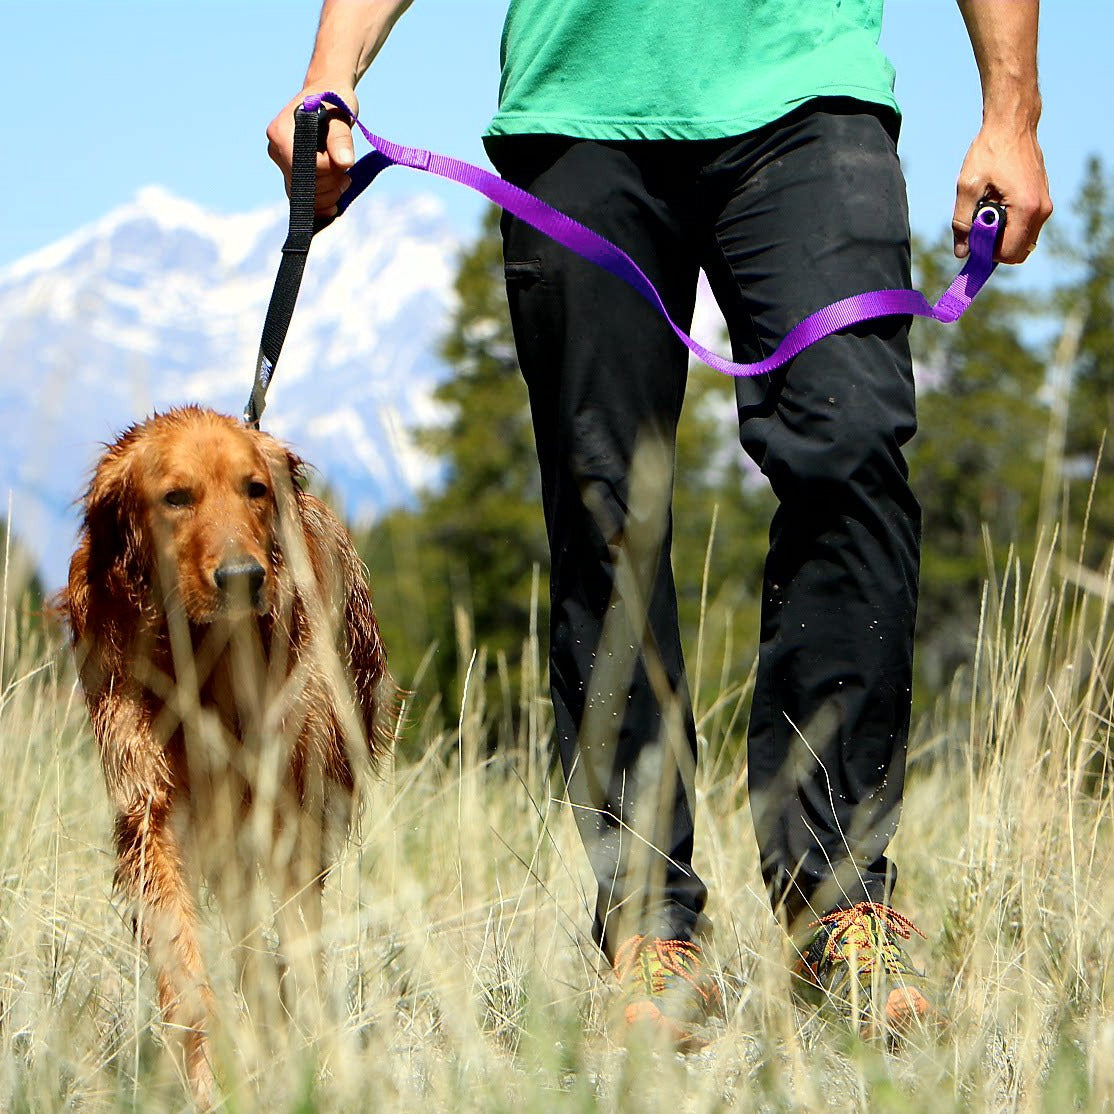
{"x":349,"y":36}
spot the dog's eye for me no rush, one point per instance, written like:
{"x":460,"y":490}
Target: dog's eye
{"x":178,"y":497}
{"x":257,"y":489}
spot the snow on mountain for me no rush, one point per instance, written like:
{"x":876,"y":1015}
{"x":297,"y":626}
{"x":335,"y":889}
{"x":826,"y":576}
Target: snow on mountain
{"x":161,"y":302}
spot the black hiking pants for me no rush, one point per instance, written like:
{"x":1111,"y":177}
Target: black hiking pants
{"x":783,"y":221}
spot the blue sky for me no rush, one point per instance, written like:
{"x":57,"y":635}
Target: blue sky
{"x":110,"y":96}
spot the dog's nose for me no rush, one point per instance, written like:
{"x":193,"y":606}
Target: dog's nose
{"x":240,"y":576}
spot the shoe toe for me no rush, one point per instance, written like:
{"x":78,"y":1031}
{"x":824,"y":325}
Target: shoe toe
{"x":648,"y":1018}
{"x":905,"y":1006}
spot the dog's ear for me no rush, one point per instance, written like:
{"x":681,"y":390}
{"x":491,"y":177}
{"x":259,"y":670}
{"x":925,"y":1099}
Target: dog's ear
{"x":376,"y":695}
{"x":110,"y":572}
{"x":288,"y":544}
{"x":115,"y":538}
{"x":288,"y":478}
{"x":288,"y":470}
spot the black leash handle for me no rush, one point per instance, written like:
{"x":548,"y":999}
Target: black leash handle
{"x":310,"y":132}
{"x":996,"y":207}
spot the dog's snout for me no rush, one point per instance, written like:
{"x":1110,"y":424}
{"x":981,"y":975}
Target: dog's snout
{"x":245,"y":576}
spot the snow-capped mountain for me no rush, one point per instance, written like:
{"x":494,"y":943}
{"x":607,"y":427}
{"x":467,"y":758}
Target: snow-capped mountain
{"x":161,"y":302}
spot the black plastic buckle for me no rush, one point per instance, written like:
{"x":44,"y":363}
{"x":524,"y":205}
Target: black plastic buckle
{"x":991,"y":214}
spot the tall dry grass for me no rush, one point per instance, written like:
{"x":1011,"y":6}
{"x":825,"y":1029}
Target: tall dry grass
{"x":460,"y":972}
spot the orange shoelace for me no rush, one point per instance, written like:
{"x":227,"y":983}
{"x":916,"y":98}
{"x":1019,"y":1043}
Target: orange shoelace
{"x":864,"y":931}
{"x":654,"y":961}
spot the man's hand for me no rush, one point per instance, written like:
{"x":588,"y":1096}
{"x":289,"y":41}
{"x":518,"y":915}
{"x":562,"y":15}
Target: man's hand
{"x":338,"y":158}
{"x":349,"y":35}
{"x":1005,"y":163}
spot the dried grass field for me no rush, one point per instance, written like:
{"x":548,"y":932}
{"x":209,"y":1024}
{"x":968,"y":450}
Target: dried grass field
{"x":460,"y":975}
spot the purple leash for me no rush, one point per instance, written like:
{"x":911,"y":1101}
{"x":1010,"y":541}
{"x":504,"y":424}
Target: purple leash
{"x":988,"y":221}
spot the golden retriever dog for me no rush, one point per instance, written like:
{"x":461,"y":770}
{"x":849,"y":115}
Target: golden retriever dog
{"x":235,"y":677}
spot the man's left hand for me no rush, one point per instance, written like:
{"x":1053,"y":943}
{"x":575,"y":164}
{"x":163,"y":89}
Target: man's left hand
{"x":1004,"y":165}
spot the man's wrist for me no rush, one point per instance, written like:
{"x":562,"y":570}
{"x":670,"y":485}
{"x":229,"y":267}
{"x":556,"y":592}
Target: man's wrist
{"x":318,"y":81}
{"x":349,"y":36}
{"x":1012,"y":102}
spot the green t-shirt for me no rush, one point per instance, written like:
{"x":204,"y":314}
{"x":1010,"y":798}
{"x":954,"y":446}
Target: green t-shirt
{"x":671,"y":69}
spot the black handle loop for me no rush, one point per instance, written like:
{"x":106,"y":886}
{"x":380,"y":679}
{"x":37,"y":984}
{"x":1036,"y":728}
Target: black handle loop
{"x":310,"y":132}
{"x":988,"y":212}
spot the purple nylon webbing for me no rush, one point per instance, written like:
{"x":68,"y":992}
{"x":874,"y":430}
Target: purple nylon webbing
{"x":591,"y":246}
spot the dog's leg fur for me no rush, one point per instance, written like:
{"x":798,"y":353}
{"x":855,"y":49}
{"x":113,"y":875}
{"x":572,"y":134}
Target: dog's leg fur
{"x":150,"y":872}
{"x":299,"y":924}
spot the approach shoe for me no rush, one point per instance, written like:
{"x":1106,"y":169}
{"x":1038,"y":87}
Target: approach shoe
{"x":666,"y":991}
{"x":856,"y":960}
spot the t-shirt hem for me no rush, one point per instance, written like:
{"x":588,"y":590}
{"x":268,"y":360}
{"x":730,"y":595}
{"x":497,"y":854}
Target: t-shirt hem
{"x":620,"y":128}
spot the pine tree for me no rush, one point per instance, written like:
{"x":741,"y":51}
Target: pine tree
{"x":977,"y":462}
{"x":467,"y":566}
{"x":1088,"y":300}
{"x":489,"y":512}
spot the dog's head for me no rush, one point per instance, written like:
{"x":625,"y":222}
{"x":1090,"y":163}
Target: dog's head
{"x":187,"y":505}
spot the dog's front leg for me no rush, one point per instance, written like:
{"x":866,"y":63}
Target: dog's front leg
{"x":150,"y":871}
{"x":299,"y":927}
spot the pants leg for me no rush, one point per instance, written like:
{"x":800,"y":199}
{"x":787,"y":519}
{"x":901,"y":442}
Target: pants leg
{"x":807,"y":211}
{"x":606,"y":381}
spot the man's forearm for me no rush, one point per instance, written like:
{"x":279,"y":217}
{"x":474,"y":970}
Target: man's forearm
{"x":1003,"y":36}
{"x":349,"y":35}
{"x":1004,"y":162}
